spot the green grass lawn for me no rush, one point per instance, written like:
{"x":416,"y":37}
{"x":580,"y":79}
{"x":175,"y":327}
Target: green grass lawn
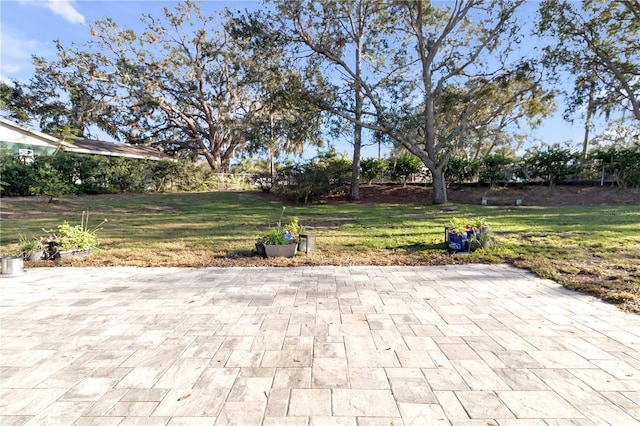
{"x":591,"y":249}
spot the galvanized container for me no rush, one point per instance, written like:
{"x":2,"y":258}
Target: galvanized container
{"x":12,"y":266}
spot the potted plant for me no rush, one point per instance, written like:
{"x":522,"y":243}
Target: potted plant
{"x":480,"y":235}
{"x":467,"y":235}
{"x":32,"y":249}
{"x":72,"y":241}
{"x":281,"y":241}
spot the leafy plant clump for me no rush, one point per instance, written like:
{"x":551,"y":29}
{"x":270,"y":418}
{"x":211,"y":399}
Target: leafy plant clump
{"x":27,"y":244}
{"x":73,"y":237}
{"x":283,"y":234}
{"x":32,"y":248}
{"x":469,"y":234}
{"x":276,"y":237}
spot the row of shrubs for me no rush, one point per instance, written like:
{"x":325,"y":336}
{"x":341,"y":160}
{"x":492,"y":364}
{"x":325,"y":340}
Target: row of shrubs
{"x":76,"y":174}
{"x":68,"y":174}
{"x":552,"y":166}
{"x":329,"y":173}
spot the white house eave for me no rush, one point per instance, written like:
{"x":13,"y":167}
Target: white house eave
{"x":31,"y":133}
{"x":76,"y":150}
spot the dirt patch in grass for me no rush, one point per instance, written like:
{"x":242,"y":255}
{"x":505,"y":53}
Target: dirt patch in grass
{"x":606,"y":279}
{"x":558,"y":196}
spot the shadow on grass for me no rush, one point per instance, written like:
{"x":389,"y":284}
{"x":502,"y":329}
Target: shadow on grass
{"x":236,"y":254}
{"x":414,"y":247}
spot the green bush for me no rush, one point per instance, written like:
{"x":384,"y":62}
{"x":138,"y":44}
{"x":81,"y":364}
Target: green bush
{"x":461,"y":170}
{"x":68,"y":173}
{"x":553,"y":165}
{"x":403,"y":166}
{"x":49,"y":181}
{"x":16,"y":177}
{"x":494,"y":169}
{"x":93,"y":174}
{"x":622,"y":163}
{"x":75,"y":237}
{"x":128,"y":174}
{"x":372,"y":168}
{"x":316,"y":179}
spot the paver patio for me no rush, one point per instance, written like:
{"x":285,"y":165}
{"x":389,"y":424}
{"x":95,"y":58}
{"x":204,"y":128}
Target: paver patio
{"x":461,"y":345}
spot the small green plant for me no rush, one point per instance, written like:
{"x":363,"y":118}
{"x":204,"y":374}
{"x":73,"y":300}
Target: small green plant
{"x":476,"y":233}
{"x":459,"y":226}
{"x":31,"y":248}
{"x":283,"y":234}
{"x":27,"y":244}
{"x":294,"y":227}
{"x":73,"y":237}
{"x":275,"y":237}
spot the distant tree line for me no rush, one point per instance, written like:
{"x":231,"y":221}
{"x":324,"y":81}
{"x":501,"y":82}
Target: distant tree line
{"x":441,"y":80}
{"x":329,"y":173}
{"x":551,"y":166}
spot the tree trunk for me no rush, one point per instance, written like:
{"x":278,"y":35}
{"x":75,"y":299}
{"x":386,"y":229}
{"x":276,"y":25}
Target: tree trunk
{"x":439,"y":187}
{"x":215,"y":162}
{"x":587,"y":123}
{"x":354,"y":195}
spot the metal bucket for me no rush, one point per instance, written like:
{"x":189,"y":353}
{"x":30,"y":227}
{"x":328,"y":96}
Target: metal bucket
{"x":12,"y":266}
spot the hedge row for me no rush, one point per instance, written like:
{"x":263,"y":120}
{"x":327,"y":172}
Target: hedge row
{"x":329,"y":173}
{"x":551,"y":166}
{"x":67,"y":173}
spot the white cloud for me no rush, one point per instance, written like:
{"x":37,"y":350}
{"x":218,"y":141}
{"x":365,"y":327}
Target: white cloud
{"x":11,"y":68}
{"x":64,"y":8}
{"x":16,"y":48}
{"x":16,"y":55}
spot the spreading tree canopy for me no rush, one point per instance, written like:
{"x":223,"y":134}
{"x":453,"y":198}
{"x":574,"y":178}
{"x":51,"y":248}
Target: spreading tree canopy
{"x":421,"y":57}
{"x":598,"y":41}
{"x":185,"y":84}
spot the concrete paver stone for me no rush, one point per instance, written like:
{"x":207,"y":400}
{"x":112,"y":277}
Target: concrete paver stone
{"x":450,"y":345}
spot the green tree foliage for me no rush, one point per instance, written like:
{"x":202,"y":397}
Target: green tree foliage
{"x":424,"y":49}
{"x":598,"y":42}
{"x":619,"y":133}
{"x":16,"y":177}
{"x":552,"y":165}
{"x":65,"y":103}
{"x":49,"y":182}
{"x":461,"y":170}
{"x":403,"y":166}
{"x":373,"y":168}
{"x":327,"y":174}
{"x":185,"y":83}
{"x":495,"y":168}
{"x":342,"y":38}
{"x":521,"y":98}
{"x":59,"y":102}
{"x":13,"y":101}
{"x":623,"y":163}
{"x":67,"y":173}
{"x":286,"y":120}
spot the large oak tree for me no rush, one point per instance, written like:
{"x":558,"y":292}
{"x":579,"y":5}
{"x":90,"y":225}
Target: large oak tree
{"x":185,"y":84}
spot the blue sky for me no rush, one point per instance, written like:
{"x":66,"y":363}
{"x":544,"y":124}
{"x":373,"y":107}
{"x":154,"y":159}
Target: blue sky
{"x":29,"y":27}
